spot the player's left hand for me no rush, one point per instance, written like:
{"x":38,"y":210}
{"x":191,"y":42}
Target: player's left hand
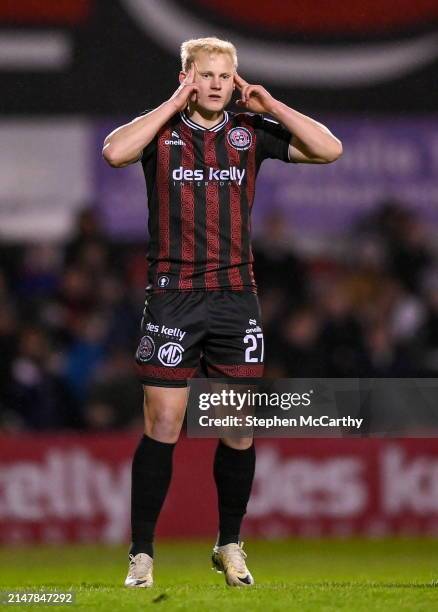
{"x":254,"y":98}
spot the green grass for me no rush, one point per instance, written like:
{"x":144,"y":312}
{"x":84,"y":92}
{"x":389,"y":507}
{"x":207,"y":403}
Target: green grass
{"x":312,"y":575}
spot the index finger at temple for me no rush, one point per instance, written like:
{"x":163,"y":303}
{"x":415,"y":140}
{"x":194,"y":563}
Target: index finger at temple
{"x":190,"y":77}
{"x":239,"y":81}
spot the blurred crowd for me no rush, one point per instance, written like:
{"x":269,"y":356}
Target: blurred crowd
{"x":370,"y":311}
{"x":70,"y":315}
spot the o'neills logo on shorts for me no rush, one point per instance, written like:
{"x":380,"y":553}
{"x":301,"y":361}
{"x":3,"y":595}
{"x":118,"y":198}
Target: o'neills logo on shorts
{"x":233,"y":173}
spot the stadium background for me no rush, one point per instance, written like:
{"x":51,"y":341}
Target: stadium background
{"x":346,"y":259}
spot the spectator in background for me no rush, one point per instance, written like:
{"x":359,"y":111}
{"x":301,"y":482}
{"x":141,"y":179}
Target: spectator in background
{"x":276,"y":267}
{"x":93,"y":256}
{"x":99,"y":416}
{"x":404,"y":237}
{"x":118,"y":303}
{"x":36,"y":397}
{"x":409,"y":254}
{"x":8,"y":343}
{"x":86,"y":353}
{"x":114,"y":387}
{"x":295,"y":351}
{"x":77,"y":296}
{"x":40,"y":271}
{"x":87,"y":231}
{"x":384,"y":358}
{"x":429,"y":329}
{"x":341,"y":337}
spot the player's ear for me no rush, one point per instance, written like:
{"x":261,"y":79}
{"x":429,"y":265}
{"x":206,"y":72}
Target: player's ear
{"x":182,"y":75}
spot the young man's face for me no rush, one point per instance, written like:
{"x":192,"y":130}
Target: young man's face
{"x":214,"y":75}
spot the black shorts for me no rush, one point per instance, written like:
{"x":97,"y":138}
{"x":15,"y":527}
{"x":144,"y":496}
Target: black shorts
{"x":186,"y":333}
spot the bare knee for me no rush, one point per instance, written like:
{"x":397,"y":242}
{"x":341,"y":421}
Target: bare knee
{"x":164,"y":411}
{"x":163,"y":425}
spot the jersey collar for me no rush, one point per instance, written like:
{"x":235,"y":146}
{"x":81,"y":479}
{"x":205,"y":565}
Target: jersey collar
{"x":195,"y":126}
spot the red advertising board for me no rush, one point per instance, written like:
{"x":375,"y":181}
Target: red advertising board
{"x":77,"y":488}
{"x":62,"y":12}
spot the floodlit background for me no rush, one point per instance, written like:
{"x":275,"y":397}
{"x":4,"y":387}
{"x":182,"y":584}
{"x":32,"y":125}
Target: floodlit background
{"x":346,"y":258}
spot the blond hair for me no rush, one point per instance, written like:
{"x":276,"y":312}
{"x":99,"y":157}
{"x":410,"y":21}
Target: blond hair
{"x":211,"y":44}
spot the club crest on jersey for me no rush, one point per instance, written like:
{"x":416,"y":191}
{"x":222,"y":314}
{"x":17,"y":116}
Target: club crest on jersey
{"x":163,"y":281}
{"x":170,"y":354}
{"x":240,"y":138}
{"x":146,"y":349}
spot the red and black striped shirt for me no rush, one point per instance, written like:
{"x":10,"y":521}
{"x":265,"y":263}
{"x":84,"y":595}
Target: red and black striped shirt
{"x":200,"y":184}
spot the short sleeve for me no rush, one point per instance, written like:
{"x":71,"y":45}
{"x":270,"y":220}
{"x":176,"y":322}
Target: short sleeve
{"x":274,"y":139}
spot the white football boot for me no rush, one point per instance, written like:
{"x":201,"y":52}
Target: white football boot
{"x":140,"y":571}
{"x":230,"y":559}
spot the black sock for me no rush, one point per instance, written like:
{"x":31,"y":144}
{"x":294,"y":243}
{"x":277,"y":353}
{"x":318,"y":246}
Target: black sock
{"x":151,"y":474}
{"x":233,"y":474}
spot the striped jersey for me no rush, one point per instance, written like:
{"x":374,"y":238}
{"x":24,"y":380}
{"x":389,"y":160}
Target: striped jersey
{"x":200,"y":185}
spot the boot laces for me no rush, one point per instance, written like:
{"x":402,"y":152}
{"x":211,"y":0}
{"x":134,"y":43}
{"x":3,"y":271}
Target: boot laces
{"x":236,"y":556}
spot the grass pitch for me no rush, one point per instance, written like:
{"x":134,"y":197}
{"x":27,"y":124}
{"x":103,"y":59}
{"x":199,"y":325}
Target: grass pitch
{"x":312,"y":575}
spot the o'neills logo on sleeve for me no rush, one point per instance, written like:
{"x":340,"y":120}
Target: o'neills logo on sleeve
{"x":233,"y":173}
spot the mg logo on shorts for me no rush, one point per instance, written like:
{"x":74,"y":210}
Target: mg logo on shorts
{"x":170,"y":354}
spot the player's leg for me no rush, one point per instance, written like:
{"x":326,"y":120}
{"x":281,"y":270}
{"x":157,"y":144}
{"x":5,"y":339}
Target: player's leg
{"x":234,"y":466}
{"x":234,"y":350}
{"x":167,"y":355}
{"x":164,"y":410}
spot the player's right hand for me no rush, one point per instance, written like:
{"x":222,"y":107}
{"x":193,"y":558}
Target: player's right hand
{"x":187,"y":91}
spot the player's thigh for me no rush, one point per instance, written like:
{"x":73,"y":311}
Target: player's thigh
{"x":234,"y":344}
